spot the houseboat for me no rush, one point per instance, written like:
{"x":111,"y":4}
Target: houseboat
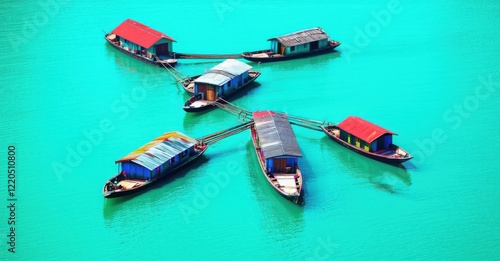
{"x":367,"y":139}
{"x":142,"y":43}
{"x":157,"y":159}
{"x":300,"y":44}
{"x":278,"y":152}
{"x":219,"y":83}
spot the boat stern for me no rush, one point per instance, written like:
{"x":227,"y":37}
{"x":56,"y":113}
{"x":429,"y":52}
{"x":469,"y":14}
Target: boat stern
{"x":193,"y":105}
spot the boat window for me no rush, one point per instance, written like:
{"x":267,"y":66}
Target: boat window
{"x":292,"y":48}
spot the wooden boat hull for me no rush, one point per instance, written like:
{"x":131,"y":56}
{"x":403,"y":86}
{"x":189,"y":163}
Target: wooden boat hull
{"x":173,"y":62}
{"x":186,"y":83}
{"x":294,"y":198}
{"x":385,"y":159}
{"x":248,"y":55}
{"x":121,"y":193}
{"x":211,"y":104}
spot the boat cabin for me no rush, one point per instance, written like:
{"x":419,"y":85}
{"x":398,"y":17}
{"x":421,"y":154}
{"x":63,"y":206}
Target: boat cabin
{"x":222,"y":79}
{"x":300,"y":42}
{"x":366,"y":135}
{"x":277,"y":142}
{"x":142,"y":40}
{"x":150,"y":161}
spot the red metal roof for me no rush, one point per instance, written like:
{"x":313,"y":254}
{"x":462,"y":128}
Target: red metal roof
{"x":259,"y":114}
{"x":139,"y":33}
{"x":363,"y":129}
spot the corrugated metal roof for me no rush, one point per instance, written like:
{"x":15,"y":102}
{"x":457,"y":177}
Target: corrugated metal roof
{"x":213,"y":78}
{"x":363,"y":129}
{"x":233,"y":67}
{"x":276,"y":135}
{"x":139,"y":33}
{"x":223,"y":72}
{"x":160,"y":150}
{"x":302,"y":37}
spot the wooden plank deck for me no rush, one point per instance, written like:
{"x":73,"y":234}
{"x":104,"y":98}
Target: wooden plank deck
{"x":129,"y":183}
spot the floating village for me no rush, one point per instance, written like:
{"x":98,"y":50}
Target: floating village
{"x":271,"y":132}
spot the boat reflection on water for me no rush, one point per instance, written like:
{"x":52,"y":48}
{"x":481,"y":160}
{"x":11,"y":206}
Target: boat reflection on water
{"x":129,"y":64}
{"x":388,"y":178}
{"x":321,"y":61}
{"x":282,"y":219}
{"x":157,"y":193}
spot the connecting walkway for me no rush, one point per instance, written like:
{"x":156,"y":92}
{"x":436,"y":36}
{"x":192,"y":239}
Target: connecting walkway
{"x":246,"y":115}
{"x":206,"y":56}
{"x":176,"y":74}
{"x":217,"y":136}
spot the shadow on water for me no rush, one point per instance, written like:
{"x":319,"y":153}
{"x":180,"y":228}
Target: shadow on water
{"x":150,"y":74}
{"x":300,"y":63}
{"x":245,"y":91}
{"x":408,"y":165}
{"x":130,"y":63}
{"x":388,"y":178}
{"x":268,"y":198}
{"x":114,"y":206}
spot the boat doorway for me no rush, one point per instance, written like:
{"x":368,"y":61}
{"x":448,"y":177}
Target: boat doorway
{"x":314,"y":46}
{"x":161,"y":50}
{"x":211,"y":93}
{"x":279,"y":165}
{"x":281,"y":49}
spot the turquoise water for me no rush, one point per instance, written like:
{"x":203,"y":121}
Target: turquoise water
{"x":71,"y":105}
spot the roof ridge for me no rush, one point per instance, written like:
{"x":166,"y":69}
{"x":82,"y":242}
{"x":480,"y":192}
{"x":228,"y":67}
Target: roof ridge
{"x":219,"y":71}
{"x":279,"y":137}
{"x":143,"y":29}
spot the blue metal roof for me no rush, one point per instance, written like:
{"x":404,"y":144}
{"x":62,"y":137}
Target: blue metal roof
{"x":233,"y":67}
{"x":223,"y":72}
{"x":160,"y":150}
{"x":213,"y":78}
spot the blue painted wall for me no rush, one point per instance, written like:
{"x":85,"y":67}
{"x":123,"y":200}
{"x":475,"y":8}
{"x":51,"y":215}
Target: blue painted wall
{"x":290,"y":162}
{"x":228,"y":87}
{"x":302,"y":48}
{"x":274,"y":46}
{"x":136,"y":171}
{"x":323,"y":43}
{"x":150,"y":52}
